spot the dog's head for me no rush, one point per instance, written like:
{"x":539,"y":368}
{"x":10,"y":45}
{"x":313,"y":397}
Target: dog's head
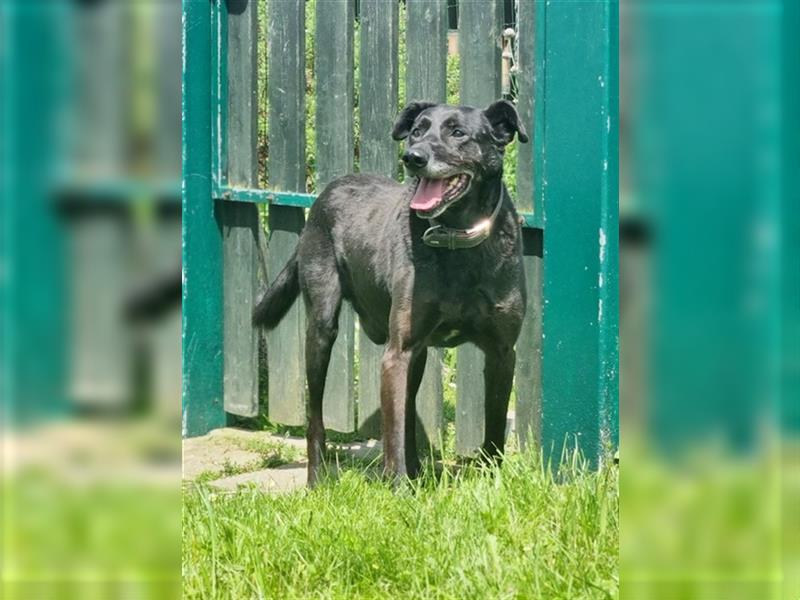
{"x":452,"y":149}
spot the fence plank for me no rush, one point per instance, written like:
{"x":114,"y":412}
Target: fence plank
{"x":480,"y":44}
{"x":426,"y":47}
{"x":240,"y":221}
{"x":378,"y":108}
{"x":286,"y":97}
{"x":426,"y":79}
{"x":528,"y":372}
{"x":529,"y":345}
{"x":334,"y":134}
{"x":101,"y":346}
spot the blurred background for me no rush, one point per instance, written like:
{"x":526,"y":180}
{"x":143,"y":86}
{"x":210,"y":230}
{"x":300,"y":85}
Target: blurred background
{"x":90,"y":359}
{"x":710,"y":298}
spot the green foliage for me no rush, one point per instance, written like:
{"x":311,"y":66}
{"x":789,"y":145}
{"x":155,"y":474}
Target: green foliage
{"x":516,"y":531}
{"x":311,"y":97}
{"x":453,"y":79}
{"x":510,"y":169}
{"x":402,"y":57}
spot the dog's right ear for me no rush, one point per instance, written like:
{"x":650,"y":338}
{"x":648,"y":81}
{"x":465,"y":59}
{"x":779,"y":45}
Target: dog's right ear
{"x":405,"y":120}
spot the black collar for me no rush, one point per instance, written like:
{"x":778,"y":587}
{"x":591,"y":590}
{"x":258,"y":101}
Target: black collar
{"x":441,"y":236}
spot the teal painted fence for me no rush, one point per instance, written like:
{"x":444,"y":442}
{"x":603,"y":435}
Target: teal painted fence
{"x":565,"y":74}
{"x":81,"y":227}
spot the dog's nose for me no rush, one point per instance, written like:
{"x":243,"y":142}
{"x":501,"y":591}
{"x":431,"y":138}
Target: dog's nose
{"x":415,"y":159}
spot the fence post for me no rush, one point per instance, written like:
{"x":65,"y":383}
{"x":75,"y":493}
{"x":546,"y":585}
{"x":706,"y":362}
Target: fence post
{"x":202,"y":392}
{"x":576,"y":155}
{"x":32,"y":286}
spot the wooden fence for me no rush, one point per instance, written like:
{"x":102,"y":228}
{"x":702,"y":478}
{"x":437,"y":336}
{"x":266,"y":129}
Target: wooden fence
{"x":566,"y":379}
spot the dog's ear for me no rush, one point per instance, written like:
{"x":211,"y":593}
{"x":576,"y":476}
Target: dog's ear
{"x":505,"y":122}
{"x":405,"y":120}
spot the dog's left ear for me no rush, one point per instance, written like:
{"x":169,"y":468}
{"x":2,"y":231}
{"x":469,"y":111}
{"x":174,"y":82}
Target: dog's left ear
{"x":405,"y":120}
{"x":505,"y":122}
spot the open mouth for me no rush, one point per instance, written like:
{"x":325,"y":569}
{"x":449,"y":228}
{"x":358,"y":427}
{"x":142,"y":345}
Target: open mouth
{"x":433,"y":196}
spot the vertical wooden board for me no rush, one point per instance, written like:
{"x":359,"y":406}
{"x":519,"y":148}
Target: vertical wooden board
{"x":101,"y":347}
{"x":33,"y":285}
{"x":286,"y":98}
{"x":430,"y":398}
{"x":166,"y":19}
{"x":378,"y":109}
{"x":240,"y":221}
{"x":426,"y":79}
{"x":480,"y":27}
{"x":480,"y":45}
{"x":101,"y":101}
{"x":579,"y":356}
{"x":426,"y":48}
{"x":528,"y":376}
{"x":525,"y":101}
{"x":333,"y":65}
{"x":101,"y":352}
{"x":165,"y":335}
{"x":469,"y":399}
{"x":529,"y":345}
{"x":790,"y":224}
{"x":202,"y":387}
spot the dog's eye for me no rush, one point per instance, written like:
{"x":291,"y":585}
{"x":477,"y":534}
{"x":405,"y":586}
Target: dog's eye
{"x":458,"y":133}
{"x":416,"y":132}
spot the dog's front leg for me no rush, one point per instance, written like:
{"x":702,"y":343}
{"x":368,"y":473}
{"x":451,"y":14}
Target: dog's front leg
{"x":498,"y":379}
{"x":394,"y":381}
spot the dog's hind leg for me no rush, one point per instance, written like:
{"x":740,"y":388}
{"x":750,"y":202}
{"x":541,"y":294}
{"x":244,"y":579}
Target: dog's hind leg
{"x":323,"y":299}
{"x":415,"y":372}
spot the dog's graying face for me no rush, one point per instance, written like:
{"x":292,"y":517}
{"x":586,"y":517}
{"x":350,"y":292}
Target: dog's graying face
{"x":452,"y":148}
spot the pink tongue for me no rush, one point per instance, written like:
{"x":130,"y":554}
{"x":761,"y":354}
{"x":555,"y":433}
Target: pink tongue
{"x":429,"y":193}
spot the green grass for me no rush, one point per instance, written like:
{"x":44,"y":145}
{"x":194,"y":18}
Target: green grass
{"x":479,"y":533}
{"x":91,"y":540}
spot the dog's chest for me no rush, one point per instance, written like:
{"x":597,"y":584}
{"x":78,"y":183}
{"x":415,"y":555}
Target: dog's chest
{"x":462,"y":313}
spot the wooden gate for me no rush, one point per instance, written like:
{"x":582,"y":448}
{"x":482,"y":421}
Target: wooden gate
{"x":566,"y":379}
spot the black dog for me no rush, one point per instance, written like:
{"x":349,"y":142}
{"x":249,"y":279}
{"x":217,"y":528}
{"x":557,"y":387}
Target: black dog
{"x":434,"y":263}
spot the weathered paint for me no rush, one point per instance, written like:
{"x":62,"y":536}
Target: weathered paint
{"x":334,"y":136}
{"x":378,"y":109}
{"x":480,"y":28}
{"x":527,"y":380}
{"x":426,"y":79}
{"x":579,"y":362}
{"x":243,"y":268}
{"x":286,"y":63}
{"x":201,"y":237}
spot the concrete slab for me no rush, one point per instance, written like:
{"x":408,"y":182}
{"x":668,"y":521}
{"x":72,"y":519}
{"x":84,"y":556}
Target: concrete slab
{"x":212,"y":451}
{"x":279,"y":480}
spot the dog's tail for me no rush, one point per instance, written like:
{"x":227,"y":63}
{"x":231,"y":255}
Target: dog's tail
{"x":278,"y":298}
